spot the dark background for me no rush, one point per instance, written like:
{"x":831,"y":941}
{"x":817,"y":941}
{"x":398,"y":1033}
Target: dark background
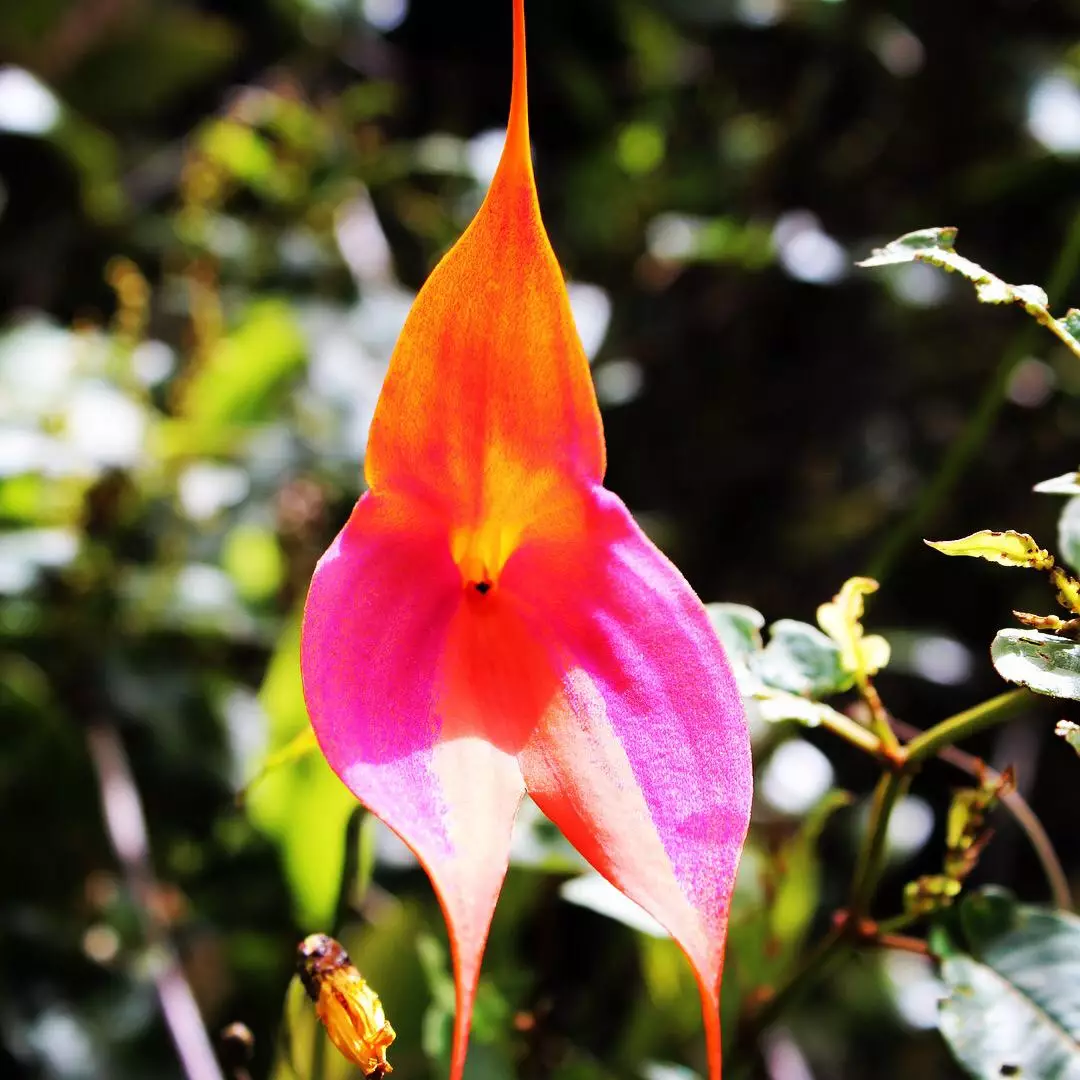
{"x":788,"y":433}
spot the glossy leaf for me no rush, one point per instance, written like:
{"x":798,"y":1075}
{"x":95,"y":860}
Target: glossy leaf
{"x":1070,"y":732}
{"x":1066,"y":484}
{"x":1042,"y":662}
{"x":1013,"y":1007}
{"x":800,"y":659}
{"x":779,"y":682}
{"x":1069,"y":533}
{"x":738,"y":627}
{"x":935,"y":246}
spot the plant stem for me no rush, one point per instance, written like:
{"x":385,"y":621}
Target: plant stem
{"x":852,"y":732}
{"x":1021,"y":811}
{"x":125,"y":825}
{"x":965,"y":724}
{"x":890,"y":790}
{"x":879,"y":715}
{"x":813,"y":967}
{"x":892,"y":786}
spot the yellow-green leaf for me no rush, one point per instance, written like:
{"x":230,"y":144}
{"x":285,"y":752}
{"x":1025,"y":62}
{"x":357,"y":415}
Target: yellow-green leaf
{"x":301,"y":805}
{"x":1068,"y":590}
{"x":297,"y":747}
{"x":1008,"y":548}
{"x":841,"y":619}
{"x":235,"y":382}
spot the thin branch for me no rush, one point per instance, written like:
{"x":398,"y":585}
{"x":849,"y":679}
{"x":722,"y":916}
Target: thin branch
{"x":1020,"y":809}
{"x":125,"y":824}
{"x":852,"y":732}
{"x":964,"y":450}
{"x":892,"y":787}
{"x":965,"y":724}
{"x":813,"y":967}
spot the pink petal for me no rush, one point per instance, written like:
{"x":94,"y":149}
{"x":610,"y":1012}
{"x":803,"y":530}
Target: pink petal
{"x":421,"y":693}
{"x":644,"y":762}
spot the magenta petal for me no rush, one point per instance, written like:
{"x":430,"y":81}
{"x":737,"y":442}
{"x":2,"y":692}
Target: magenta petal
{"x":386,"y":638}
{"x":646,"y":767}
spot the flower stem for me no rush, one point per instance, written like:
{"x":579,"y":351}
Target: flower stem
{"x":965,"y":724}
{"x":1021,"y":810}
{"x":890,"y":790}
{"x":815,"y":965}
{"x":125,"y":826}
{"x":852,"y":732}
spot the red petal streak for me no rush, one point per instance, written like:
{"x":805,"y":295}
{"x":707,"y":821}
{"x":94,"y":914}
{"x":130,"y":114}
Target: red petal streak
{"x":488,"y":385}
{"x":421,"y":693}
{"x":644,"y":763}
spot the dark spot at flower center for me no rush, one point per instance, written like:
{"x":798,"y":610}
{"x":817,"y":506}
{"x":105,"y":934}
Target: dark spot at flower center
{"x":482,"y":587}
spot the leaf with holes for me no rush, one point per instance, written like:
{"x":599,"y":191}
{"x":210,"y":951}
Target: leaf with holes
{"x":1013,"y":1005}
{"x":1006,"y":547}
{"x":935,"y":246}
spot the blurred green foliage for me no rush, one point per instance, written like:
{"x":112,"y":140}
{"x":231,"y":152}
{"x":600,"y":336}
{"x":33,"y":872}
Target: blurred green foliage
{"x":213,"y":218}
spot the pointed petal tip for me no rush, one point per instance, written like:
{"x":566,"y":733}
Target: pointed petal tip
{"x":710,"y":1013}
{"x":518,"y":128}
{"x":661,"y":808}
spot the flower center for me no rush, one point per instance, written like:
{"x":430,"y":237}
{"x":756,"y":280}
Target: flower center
{"x":481,"y":552}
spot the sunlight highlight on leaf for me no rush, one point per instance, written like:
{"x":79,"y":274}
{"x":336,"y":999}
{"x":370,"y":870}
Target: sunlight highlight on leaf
{"x":1008,"y":548}
{"x":841,"y":619}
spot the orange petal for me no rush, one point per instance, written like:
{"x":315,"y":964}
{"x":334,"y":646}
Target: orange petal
{"x":489,"y":388}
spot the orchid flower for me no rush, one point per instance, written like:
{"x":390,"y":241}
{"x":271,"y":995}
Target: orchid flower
{"x":491,"y":621}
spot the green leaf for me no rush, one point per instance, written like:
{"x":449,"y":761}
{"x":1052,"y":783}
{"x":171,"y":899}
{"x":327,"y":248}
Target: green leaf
{"x":1067,"y":484}
{"x":1042,"y":662}
{"x":164,"y":50}
{"x":1070,"y":732}
{"x":738,"y":627}
{"x":799,"y":887}
{"x":779,"y":893}
{"x":252,"y":557}
{"x":1014,"y":999}
{"x":1071,"y":324}
{"x":490,"y":1019}
{"x":300,"y":745}
{"x":302,"y":806}
{"x":801,"y":660}
{"x":935,"y":246}
{"x":1008,"y":548}
{"x":236,"y":382}
{"x":739,"y":630}
{"x":240,"y":150}
{"x":1069,"y":533}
